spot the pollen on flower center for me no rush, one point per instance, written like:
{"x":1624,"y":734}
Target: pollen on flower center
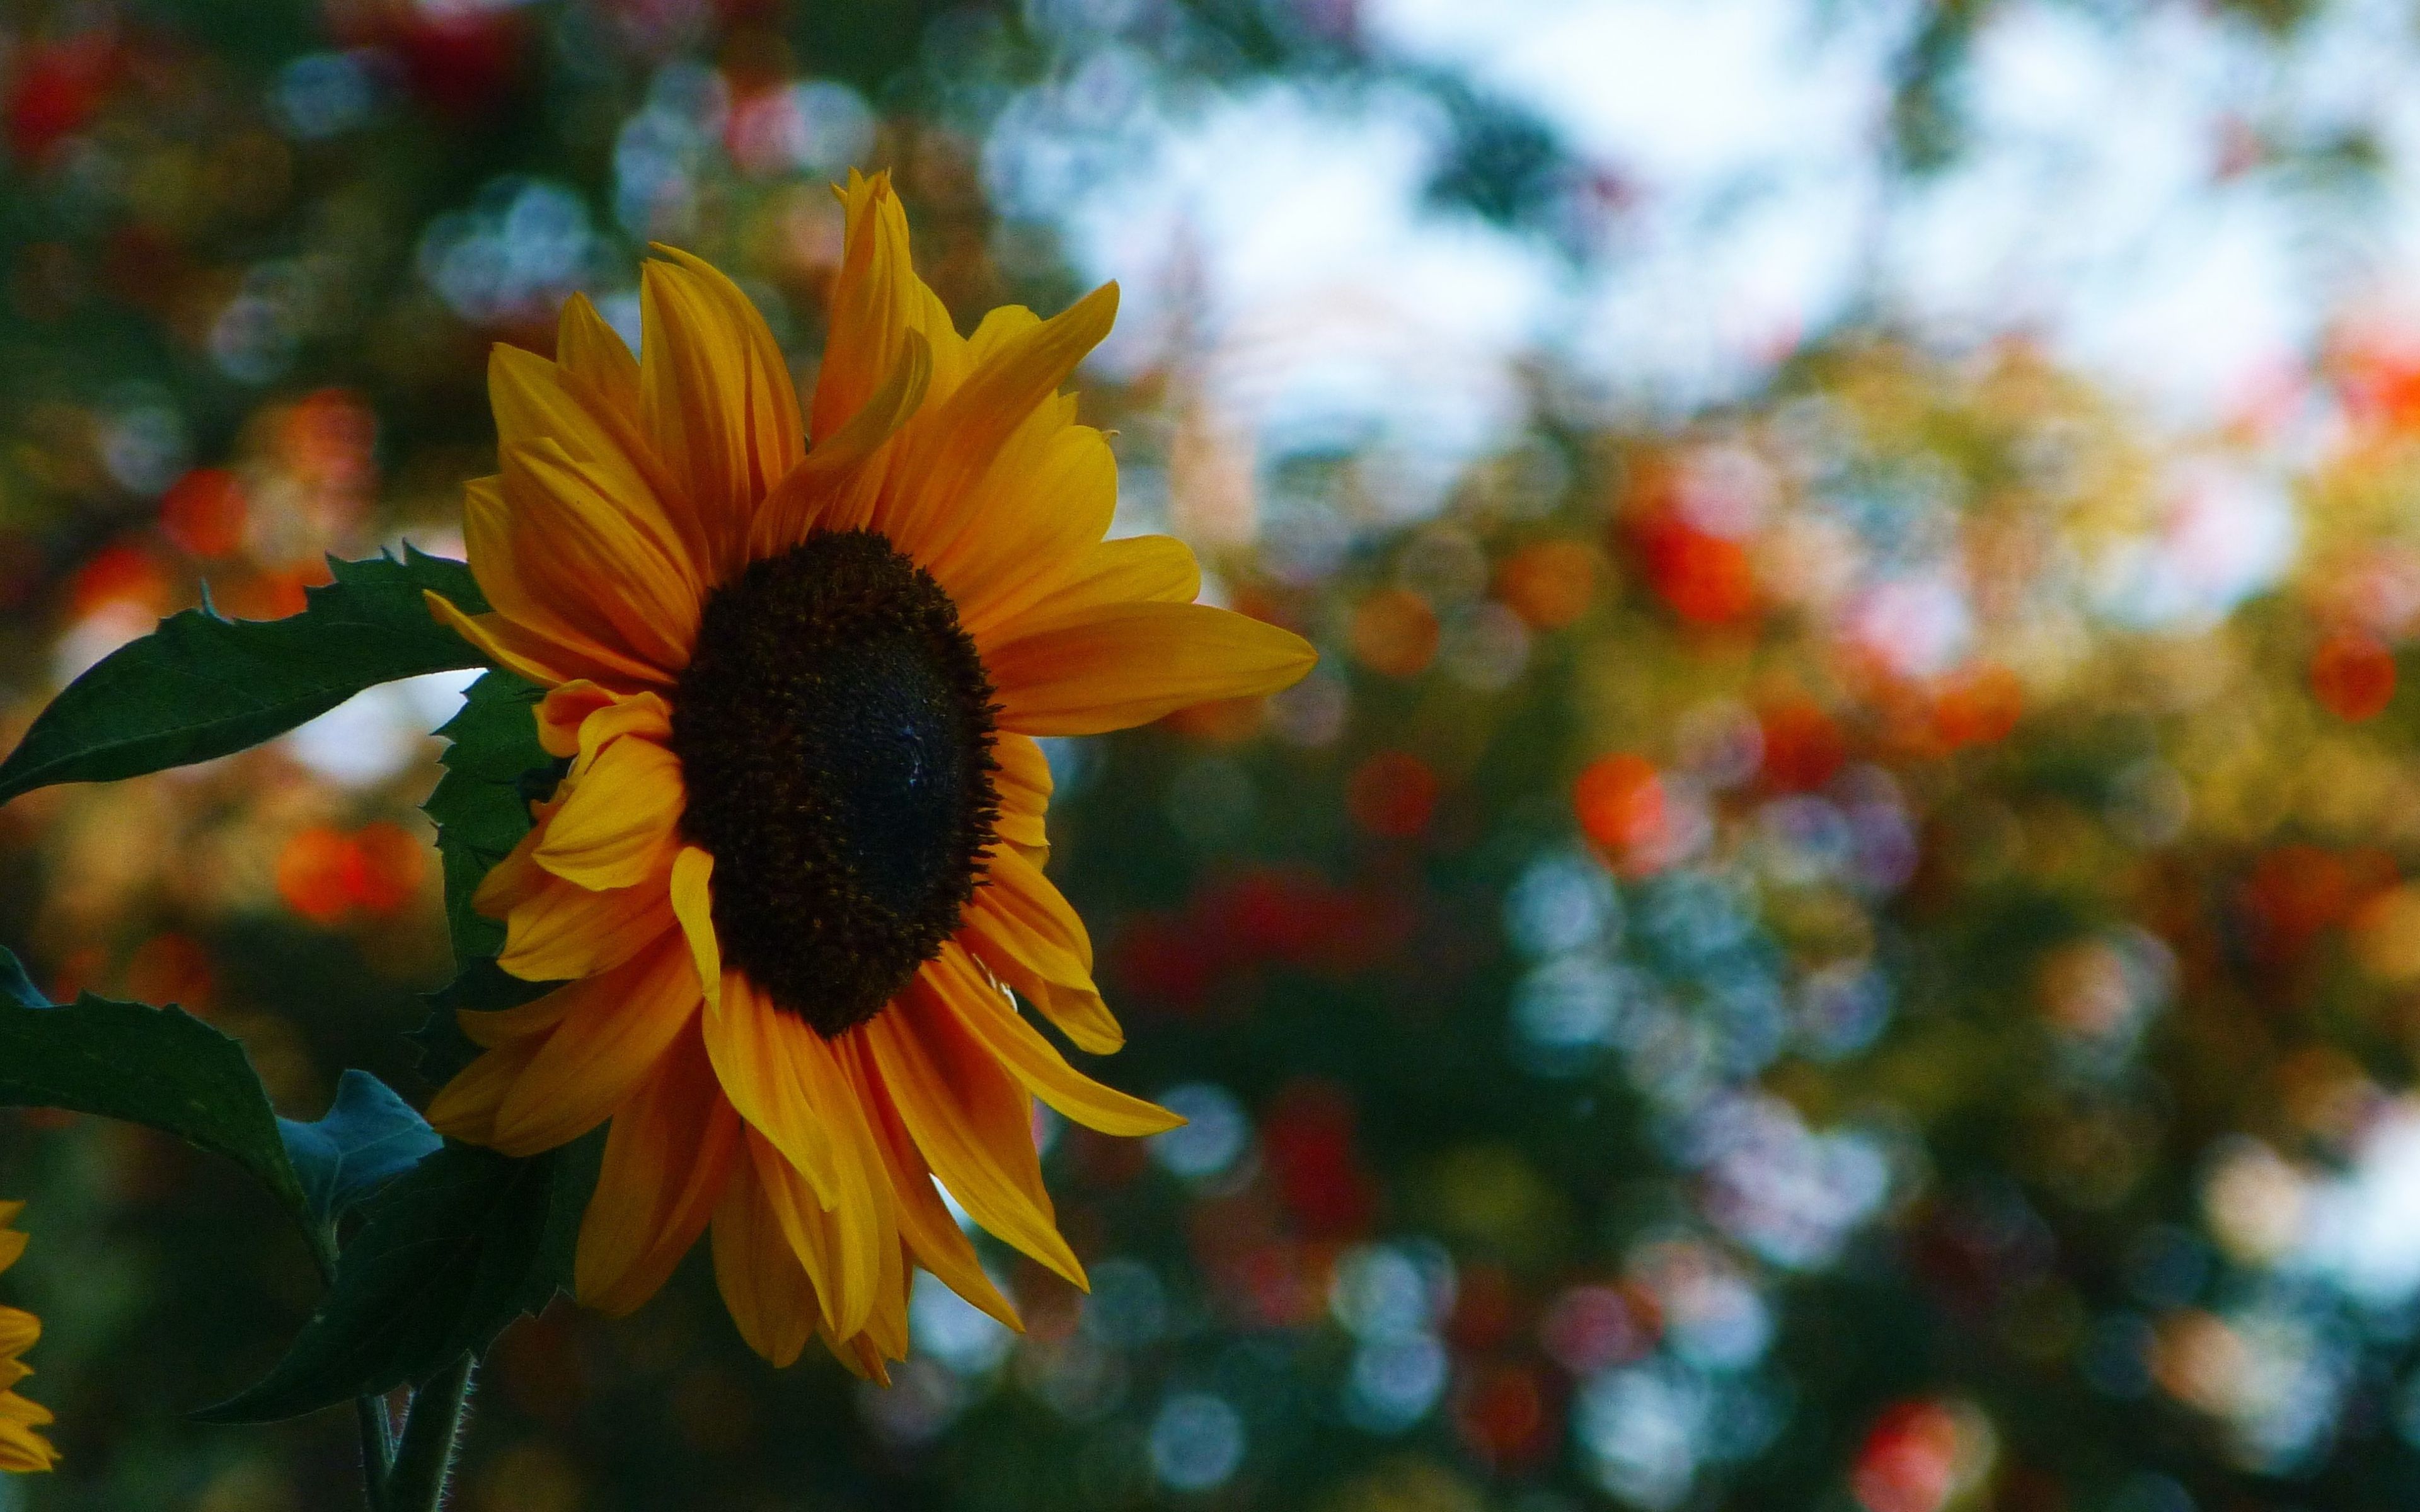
{"x":834,"y":729}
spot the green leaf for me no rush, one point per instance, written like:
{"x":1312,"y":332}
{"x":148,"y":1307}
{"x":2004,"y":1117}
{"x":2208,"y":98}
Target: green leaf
{"x":448,"y":1255}
{"x":494,"y":767}
{"x":200,"y":685}
{"x":155,"y":1066}
{"x":369,"y":1137}
{"x":15,"y":986}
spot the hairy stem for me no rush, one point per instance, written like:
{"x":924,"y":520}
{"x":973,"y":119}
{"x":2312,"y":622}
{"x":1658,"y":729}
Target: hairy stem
{"x":378,"y":1447}
{"x":376,"y":1426}
{"x":422,"y":1461}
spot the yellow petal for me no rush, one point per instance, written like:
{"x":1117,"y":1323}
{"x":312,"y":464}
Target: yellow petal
{"x":541,"y":660}
{"x":762,"y":1282}
{"x":841,"y":1252}
{"x":1130,"y":664}
{"x":886,"y":1326}
{"x":692,"y":896}
{"x":668,"y":1154}
{"x":562,"y":930}
{"x":643,"y":714}
{"x":757,"y":1050}
{"x":537,"y":401}
{"x":615,"y":1030}
{"x":836,"y":487}
{"x":877,"y":301}
{"x":465,"y":1108}
{"x":22,"y":1450}
{"x":517,"y":878}
{"x":805,"y":1225}
{"x":973,"y":1124}
{"x":1046,"y":500}
{"x":1134,"y":569}
{"x":862,"y":1222}
{"x":594,"y":352}
{"x":985,"y":1012}
{"x":529,"y":600}
{"x":957,"y":440}
{"x":716,"y":395}
{"x":1011,"y":952}
{"x":1023,"y":783}
{"x":492,"y":1028}
{"x":619,"y":818}
{"x":564,"y":709}
{"x":588,"y":399}
{"x":1021,"y":894}
{"x":859,"y":1354}
{"x":579,"y":550}
{"x":931,"y":1233}
{"x":999,"y":325}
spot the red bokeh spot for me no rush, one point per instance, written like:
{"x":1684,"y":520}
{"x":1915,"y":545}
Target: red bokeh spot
{"x":1237,"y":923}
{"x":270,"y":596}
{"x":2353,"y":675}
{"x":1486,"y":1310}
{"x":57,"y":89}
{"x":1393,"y":795}
{"x":317,"y":874}
{"x":1162,"y":958}
{"x":121,"y":575}
{"x":1503,"y":1415}
{"x":2295,"y":893}
{"x":1548,"y":583}
{"x":1909,"y":1461}
{"x":327,"y":437}
{"x":1802,"y":747}
{"x":1222,"y":722}
{"x":1706,"y":579}
{"x":1977,"y":705}
{"x":461,"y":61}
{"x":171,"y":968}
{"x":1308,"y":1140}
{"x":392,"y":865}
{"x":1396,"y":633}
{"x":326,"y":875}
{"x":2379,"y":380}
{"x":1619,"y":801}
{"x":203,"y":512}
{"x":1591,"y":1328}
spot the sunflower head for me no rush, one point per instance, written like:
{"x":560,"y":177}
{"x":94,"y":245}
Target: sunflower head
{"x":835,"y":727}
{"x":21,"y":1444}
{"x":797,"y":658}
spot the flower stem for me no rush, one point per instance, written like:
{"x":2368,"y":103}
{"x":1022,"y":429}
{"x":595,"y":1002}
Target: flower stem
{"x":378,"y":1447}
{"x":376,"y":1426}
{"x":426,"y":1456}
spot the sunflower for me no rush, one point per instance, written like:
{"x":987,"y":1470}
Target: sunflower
{"x":20,"y":1446}
{"x":792,"y":879}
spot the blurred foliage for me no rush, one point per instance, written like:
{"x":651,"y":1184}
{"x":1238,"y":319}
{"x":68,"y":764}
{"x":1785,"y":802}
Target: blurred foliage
{"x":1817,"y":955}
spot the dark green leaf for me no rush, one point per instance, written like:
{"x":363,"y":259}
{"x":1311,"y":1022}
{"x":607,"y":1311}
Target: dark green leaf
{"x":15,"y":986}
{"x":448,"y":1254}
{"x":200,"y":685}
{"x":369,"y":1137}
{"x":153,"y":1066}
{"x":493,"y":768}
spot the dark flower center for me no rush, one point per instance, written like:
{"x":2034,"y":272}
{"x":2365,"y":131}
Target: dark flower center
{"x":834,"y":729}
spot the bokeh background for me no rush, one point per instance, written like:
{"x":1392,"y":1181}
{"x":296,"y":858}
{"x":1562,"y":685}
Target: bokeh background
{"x":1839,"y":928}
